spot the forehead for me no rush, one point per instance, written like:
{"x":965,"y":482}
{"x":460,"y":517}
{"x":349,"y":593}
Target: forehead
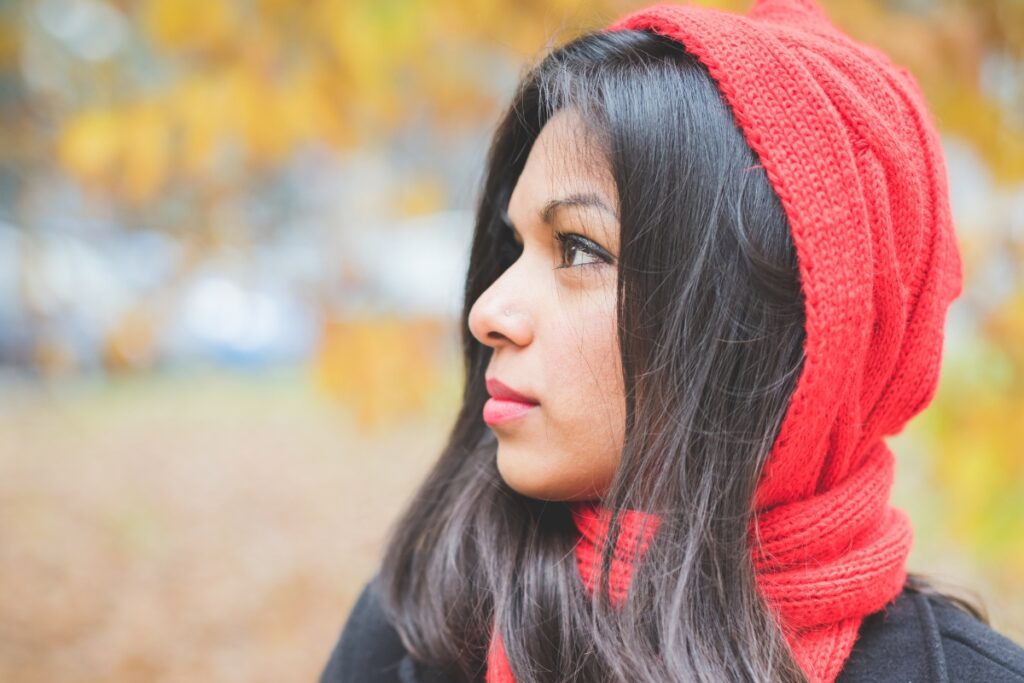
{"x":563,"y":160}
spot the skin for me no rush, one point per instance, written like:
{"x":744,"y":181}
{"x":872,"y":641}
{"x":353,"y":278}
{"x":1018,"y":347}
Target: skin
{"x":553,"y":329}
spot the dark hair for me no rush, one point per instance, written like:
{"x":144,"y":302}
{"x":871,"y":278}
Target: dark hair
{"x":711,"y":332}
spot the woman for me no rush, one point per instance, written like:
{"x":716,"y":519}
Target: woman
{"x":711,"y":265}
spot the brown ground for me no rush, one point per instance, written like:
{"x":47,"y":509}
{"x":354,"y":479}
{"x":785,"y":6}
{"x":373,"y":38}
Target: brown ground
{"x":199,"y":529}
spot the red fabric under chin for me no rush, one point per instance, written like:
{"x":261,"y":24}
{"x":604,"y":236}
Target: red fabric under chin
{"x":592,"y":521}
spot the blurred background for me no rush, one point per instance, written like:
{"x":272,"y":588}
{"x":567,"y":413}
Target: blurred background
{"x":232,"y":239}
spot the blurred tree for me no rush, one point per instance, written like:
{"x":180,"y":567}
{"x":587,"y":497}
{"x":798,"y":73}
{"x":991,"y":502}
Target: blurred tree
{"x":208,"y":91}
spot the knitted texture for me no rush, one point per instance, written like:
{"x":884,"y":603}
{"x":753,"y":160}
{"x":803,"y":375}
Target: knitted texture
{"x":848,"y":144}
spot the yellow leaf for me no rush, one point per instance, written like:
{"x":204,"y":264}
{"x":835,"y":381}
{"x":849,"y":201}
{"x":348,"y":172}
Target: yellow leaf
{"x":199,"y":103}
{"x":189,"y":24}
{"x":89,"y":145}
{"x":146,"y":150}
{"x":256,"y":106}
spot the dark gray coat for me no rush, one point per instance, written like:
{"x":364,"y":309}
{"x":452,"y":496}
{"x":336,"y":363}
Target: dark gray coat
{"x":918,"y":638}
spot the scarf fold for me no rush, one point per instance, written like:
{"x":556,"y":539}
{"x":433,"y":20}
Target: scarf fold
{"x":847,"y":142}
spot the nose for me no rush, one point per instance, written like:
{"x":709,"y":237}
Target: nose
{"x":500,"y":317}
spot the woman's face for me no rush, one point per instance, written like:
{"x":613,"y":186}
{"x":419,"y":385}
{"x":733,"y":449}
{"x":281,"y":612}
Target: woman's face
{"x":550,"y":319}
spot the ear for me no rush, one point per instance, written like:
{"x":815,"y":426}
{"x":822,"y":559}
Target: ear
{"x":806,"y":13}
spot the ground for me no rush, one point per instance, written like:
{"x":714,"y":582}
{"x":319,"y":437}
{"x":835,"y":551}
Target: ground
{"x":218,"y":527}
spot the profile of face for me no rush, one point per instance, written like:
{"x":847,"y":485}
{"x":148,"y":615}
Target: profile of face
{"x":550,"y":319}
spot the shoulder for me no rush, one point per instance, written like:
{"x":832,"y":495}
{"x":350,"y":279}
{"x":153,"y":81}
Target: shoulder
{"x":369,"y":649}
{"x":975,"y":651}
{"x":927,"y":637}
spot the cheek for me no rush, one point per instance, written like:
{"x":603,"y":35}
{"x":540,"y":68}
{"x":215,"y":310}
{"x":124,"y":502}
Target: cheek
{"x":590,"y":417}
{"x":584,"y":368}
{"x":586,"y":374}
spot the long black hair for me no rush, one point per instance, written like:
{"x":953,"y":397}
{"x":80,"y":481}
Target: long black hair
{"x":711,"y":333}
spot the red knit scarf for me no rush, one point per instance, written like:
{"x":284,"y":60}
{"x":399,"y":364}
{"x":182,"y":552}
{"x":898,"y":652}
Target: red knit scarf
{"x":822,"y":564}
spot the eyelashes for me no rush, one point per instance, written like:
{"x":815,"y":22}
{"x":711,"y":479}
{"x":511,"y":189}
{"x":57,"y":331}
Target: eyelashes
{"x":568,"y":242}
{"x":572,"y":241}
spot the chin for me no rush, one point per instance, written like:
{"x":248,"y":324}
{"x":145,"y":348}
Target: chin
{"x":525,"y":477}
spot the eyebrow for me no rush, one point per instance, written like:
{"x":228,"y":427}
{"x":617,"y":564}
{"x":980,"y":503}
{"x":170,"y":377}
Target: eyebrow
{"x":582,"y":199}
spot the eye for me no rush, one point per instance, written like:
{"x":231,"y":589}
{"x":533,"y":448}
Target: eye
{"x":572,"y":244}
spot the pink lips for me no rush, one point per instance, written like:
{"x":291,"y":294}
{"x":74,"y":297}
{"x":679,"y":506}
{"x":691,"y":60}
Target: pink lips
{"x":505,"y":403}
{"x":497,"y":410}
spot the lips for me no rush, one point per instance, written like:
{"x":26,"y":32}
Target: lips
{"x":500,"y":390}
{"x":506,"y":404}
